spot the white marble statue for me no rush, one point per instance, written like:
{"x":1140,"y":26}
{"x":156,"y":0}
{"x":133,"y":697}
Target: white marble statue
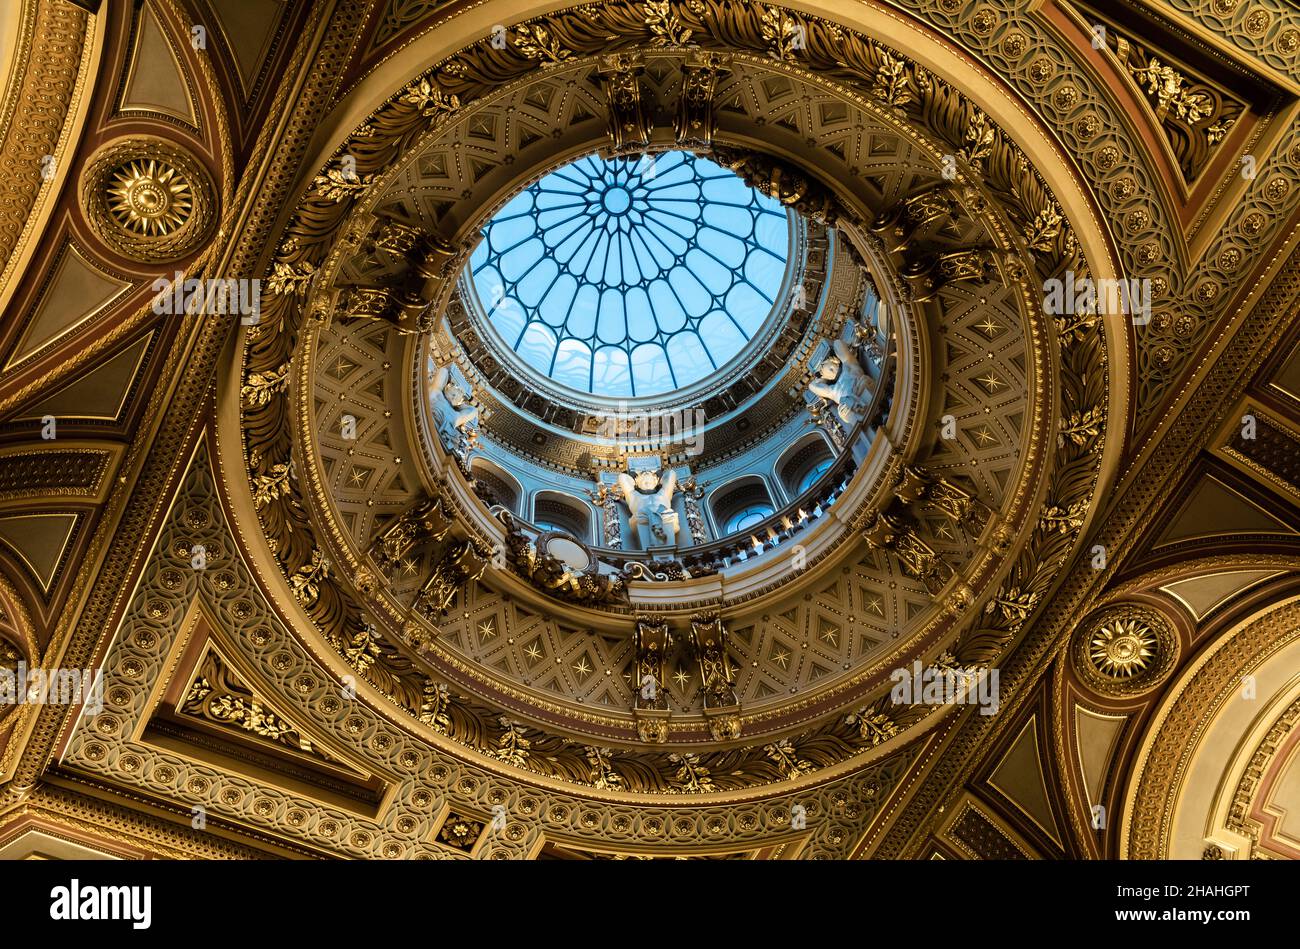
{"x":650,"y":500}
{"x":459,"y":410}
{"x":841,"y":380}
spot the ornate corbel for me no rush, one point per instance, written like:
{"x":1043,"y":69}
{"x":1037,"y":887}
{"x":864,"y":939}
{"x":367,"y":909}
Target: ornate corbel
{"x":700,"y":74}
{"x":920,"y":486}
{"x":425,"y":522}
{"x":650,"y":699}
{"x":652,"y":642}
{"x":721,"y":706}
{"x":435,"y":263}
{"x":779,"y":181}
{"x":898,"y":225}
{"x":629,"y":121}
{"x":401,"y":307}
{"x":459,"y":564}
{"x":395,"y":237}
{"x":429,"y":264}
{"x":917,"y":558}
{"x":928,"y":274}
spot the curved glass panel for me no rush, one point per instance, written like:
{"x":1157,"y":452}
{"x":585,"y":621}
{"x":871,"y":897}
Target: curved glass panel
{"x":747,"y":517}
{"x":814,"y":473}
{"x":632,"y":277}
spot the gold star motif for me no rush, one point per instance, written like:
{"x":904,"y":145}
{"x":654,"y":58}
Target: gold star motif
{"x":989,"y":326}
{"x":533,"y":652}
{"x":873,"y":604}
{"x":782,"y":657}
{"x":985,"y":436}
{"x":408,"y":567}
{"x":343,"y":367}
{"x":486,"y":630}
{"x":991,"y":382}
{"x":944,"y":530}
{"x":581,"y":666}
{"x":830,"y":636}
{"x":681,"y":678}
{"x":357,"y":478}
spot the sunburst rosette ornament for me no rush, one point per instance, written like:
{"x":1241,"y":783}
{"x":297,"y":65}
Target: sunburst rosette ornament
{"x":147,"y":198}
{"x":1123,"y":649}
{"x":1126,"y":650}
{"x":150,"y":197}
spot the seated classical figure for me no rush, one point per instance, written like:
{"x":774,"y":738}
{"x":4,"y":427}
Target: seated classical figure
{"x":459,"y":411}
{"x":842,"y":380}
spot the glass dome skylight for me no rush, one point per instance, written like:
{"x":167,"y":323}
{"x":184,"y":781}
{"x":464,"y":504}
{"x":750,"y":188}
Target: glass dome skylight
{"x":632,"y":277}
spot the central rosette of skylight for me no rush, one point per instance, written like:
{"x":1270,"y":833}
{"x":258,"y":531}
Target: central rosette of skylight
{"x":632,"y":277}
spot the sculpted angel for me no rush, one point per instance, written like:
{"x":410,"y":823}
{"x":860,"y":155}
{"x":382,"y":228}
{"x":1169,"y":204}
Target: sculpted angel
{"x":650,"y":500}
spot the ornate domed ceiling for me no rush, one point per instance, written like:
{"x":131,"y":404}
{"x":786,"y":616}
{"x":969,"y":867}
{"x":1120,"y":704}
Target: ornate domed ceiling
{"x":667,"y":429}
{"x":632,"y":278}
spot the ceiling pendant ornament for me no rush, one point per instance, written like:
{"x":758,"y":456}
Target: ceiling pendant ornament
{"x":147,"y":198}
{"x":1126,"y":650}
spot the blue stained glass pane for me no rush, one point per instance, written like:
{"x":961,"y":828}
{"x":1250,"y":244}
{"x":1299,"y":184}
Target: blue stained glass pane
{"x":650,"y":372}
{"x":572,"y":364}
{"x":748,"y":307}
{"x":537,"y":345}
{"x":687,"y":355}
{"x":747,"y":518}
{"x":632,"y":277}
{"x":609,"y":371}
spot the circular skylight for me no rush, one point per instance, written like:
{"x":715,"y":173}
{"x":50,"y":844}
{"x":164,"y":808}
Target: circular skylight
{"x":632,"y":277}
